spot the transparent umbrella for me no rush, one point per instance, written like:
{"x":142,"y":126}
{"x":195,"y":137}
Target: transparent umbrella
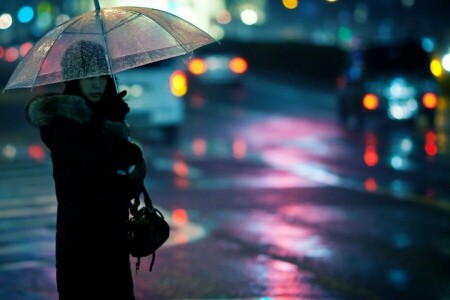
{"x":127,"y":37}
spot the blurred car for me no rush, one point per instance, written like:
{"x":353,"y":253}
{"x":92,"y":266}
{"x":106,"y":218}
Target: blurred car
{"x":393,"y":81}
{"x":216,"y":64}
{"x":154,"y":97}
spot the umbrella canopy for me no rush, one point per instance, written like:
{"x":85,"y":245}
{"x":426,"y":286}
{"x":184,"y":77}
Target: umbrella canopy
{"x":104,"y":42}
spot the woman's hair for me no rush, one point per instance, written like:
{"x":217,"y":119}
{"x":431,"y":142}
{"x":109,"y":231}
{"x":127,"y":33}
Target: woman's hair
{"x":84,"y":59}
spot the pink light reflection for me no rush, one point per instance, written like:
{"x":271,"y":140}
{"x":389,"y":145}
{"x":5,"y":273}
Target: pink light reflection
{"x":239,"y":148}
{"x":272,"y":229}
{"x":199,"y":146}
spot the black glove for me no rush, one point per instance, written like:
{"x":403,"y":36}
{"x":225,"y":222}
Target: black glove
{"x":117,"y":109}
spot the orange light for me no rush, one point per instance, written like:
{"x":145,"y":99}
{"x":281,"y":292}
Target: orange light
{"x":180,"y":216}
{"x":430,"y":100}
{"x":290,"y":4}
{"x":178,"y":83}
{"x":197,"y":66}
{"x":180,"y":168}
{"x":370,"y":101}
{"x":238,"y":65}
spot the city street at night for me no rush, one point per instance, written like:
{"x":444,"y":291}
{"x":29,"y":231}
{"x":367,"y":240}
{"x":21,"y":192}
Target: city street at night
{"x":267,"y":197}
{"x":298,"y":149}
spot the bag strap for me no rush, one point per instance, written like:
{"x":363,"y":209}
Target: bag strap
{"x":138,"y":263}
{"x":147,"y":201}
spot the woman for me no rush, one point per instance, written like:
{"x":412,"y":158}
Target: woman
{"x":95,"y":169}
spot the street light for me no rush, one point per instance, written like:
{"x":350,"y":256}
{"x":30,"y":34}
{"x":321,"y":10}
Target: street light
{"x":290,"y":4}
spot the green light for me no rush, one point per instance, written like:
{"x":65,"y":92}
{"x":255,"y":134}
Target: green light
{"x":44,"y":7}
{"x":345,"y":33}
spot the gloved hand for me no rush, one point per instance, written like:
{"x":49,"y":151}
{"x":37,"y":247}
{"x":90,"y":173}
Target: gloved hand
{"x":115,"y":127}
{"x":117,"y":109}
{"x":139,"y":172}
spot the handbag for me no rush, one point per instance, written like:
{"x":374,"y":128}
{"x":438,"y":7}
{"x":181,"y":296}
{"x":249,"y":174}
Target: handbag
{"x":147,"y":229}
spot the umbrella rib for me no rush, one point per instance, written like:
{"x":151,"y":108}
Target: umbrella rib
{"x":129,"y":19}
{"x":49,"y":50}
{"x":107,"y":48}
{"x":170,"y":34}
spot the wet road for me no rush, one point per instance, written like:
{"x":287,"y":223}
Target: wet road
{"x":268,"y":199}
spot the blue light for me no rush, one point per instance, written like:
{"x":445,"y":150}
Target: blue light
{"x":25,"y":14}
{"x":428,"y":44}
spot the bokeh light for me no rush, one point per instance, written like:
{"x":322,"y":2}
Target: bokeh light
{"x":180,"y":168}
{"x":36,"y":152}
{"x":199,"y":146}
{"x":197,"y":66}
{"x":178,"y":83}
{"x":249,"y":17}
{"x":25,"y":14}
{"x":290,"y":4}
{"x":436,"y":68}
{"x":24,"y":48}
{"x":238,"y":65}
{"x":11,"y":54}
{"x":224,"y":17}
{"x":345,"y":33}
{"x":446,"y":62}
{"x":61,"y":19}
{"x":371,"y":156}
{"x":5,"y":21}
{"x":180,"y":216}
{"x":370,"y":184}
{"x":9,"y":151}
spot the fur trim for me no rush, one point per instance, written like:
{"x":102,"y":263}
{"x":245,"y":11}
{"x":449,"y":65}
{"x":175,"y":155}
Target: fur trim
{"x":42,"y":110}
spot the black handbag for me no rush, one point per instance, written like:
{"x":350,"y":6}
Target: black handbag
{"x":147,"y":229}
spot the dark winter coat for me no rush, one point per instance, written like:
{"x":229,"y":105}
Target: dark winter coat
{"x":91,"y":240}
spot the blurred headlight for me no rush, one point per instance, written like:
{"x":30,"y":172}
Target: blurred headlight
{"x":370,"y":101}
{"x":178,"y":83}
{"x":400,"y":88}
{"x":197,"y":66}
{"x":238,"y":65}
{"x":430,"y":100}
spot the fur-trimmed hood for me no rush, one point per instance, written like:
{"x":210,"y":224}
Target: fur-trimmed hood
{"x":42,"y":110}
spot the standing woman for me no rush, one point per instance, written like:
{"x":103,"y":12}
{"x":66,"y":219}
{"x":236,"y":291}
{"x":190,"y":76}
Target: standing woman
{"x":95,"y":167}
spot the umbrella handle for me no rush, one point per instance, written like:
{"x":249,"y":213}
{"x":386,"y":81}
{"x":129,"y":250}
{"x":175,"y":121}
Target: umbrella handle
{"x":97,"y":6}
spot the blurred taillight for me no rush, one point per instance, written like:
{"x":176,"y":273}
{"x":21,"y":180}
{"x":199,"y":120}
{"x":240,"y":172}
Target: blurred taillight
{"x":178,"y":83}
{"x":197,"y":66}
{"x":341,"y":82}
{"x":36,"y":152}
{"x":370,"y":101}
{"x":430,"y":100}
{"x":238,"y":65}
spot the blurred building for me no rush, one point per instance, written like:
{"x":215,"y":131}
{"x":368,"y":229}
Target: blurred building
{"x":341,"y":23}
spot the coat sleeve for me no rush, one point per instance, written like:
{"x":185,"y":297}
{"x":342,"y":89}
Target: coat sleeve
{"x":76,"y":151}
